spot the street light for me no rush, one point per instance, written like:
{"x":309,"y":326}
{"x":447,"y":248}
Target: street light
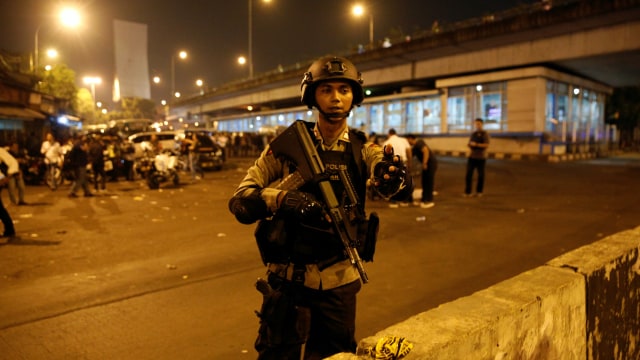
{"x":359,"y":10}
{"x":199,"y":84}
{"x":68,"y":17}
{"x":182,"y":55}
{"x":92,"y":81}
{"x":52,"y":53}
{"x":250,"y":21}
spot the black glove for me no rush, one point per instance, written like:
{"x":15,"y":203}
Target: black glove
{"x":304,"y":207}
{"x":248,"y":209}
{"x":389,"y":175}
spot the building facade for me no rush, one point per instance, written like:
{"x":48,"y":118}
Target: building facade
{"x":528,"y":111}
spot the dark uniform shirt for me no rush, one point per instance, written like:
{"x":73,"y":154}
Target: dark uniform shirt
{"x":479,"y":137}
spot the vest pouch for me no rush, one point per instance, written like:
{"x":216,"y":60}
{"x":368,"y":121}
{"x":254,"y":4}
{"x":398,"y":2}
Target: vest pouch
{"x":271,"y":237}
{"x":368,"y":236}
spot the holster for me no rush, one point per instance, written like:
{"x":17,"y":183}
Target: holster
{"x":282,"y":320}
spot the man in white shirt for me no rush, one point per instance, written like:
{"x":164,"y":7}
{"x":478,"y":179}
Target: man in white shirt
{"x":52,"y":152}
{"x":401,"y":148}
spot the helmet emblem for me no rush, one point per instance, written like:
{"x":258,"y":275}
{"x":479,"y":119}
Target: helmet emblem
{"x":336,"y":67}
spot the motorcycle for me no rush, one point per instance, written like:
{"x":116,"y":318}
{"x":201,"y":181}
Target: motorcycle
{"x":163,"y":168}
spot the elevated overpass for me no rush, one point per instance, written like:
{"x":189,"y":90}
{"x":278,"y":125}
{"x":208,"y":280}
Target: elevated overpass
{"x":594,"y":39}
{"x":589,"y":44}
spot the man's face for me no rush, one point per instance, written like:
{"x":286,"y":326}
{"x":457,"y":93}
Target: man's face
{"x":478,"y":125}
{"x":334,"y":98}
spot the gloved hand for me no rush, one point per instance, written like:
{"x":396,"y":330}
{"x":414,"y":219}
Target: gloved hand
{"x":390,"y":174}
{"x":248,"y":209}
{"x":304,"y":207}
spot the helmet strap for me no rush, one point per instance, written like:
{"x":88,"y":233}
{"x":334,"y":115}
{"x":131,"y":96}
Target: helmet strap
{"x":335,"y":116}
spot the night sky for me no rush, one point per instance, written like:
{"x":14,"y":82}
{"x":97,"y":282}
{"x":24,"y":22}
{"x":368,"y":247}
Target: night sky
{"x":215,"y":33}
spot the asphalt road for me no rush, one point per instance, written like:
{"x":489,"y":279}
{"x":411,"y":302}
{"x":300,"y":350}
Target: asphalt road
{"x":138,"y":274}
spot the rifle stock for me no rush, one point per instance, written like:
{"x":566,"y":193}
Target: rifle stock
{"x":309,"y":167}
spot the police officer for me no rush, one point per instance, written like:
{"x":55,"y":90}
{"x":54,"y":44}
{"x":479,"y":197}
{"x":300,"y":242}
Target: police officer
{"x":305,"y":259}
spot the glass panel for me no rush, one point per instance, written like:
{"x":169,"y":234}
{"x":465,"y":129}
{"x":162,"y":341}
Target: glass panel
{"x":394,"y":116}
{"x":456,"y":110}
{"x":431,"y":110}
{"x":377,"y":118}
{"x":412,"y":116}
{"x":575,"y":116}
{"x":551,"y":111}
{"x":492,"y":107}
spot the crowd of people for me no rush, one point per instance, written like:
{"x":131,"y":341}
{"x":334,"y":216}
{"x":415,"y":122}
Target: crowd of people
{"x":243,"y":144}
{"x":111,"y":158}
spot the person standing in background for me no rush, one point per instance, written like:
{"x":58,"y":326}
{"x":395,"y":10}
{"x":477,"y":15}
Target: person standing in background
{"x":52,"y":152}
{"x":429,"y":165}
{"x":96,"y":156}
{"x":16,"y":181}
{"x":478,"y":144}
{"x":401,"y":148}
{"x":79,"y":158}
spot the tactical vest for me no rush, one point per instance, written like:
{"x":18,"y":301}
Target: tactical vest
{"x":286,"y":240}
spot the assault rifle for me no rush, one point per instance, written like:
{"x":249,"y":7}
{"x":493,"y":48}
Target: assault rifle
{"x":296,"y":145}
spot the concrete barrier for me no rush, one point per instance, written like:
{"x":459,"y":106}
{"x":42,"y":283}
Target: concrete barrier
{"x":582,"y":305}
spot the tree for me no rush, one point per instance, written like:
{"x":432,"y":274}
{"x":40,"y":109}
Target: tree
{"x":85,"y":107}
{"x":138,"y":108}
{"x":60,"y":82}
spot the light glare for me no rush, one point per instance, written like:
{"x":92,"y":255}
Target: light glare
{"x":70,"y":17}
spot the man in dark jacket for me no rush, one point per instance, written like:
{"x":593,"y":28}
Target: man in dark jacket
{"x":478,"y":144}
{"x":96,"y":156}
{"x":79,"y":158}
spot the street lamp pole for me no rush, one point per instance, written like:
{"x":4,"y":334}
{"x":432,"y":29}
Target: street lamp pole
{"x":68,"y":17}
{"x":183,"y":55}
{"x":92,"y":81}
{"x":173,"y":75}
{"x":250,"y":42}
{"x":359,"y":10}
{"x":35,"y":49}
{"x":250,"y":21}
{"x":370,"y":29}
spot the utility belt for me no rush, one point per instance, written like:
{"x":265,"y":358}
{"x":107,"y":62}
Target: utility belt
{"x":284,"y":242}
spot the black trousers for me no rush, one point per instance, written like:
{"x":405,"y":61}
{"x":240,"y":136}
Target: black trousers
{"x":472,"y":165}
{"x":9,"y":230}
{"x":99,"y":175}
{"x":428,"y":183}
{"x":333,"y":324}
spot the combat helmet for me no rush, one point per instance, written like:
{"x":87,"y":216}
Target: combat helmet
{"x":331,"y":68}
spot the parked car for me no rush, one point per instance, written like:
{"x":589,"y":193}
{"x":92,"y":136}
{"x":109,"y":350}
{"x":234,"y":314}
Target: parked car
{"x":211,"y":154}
